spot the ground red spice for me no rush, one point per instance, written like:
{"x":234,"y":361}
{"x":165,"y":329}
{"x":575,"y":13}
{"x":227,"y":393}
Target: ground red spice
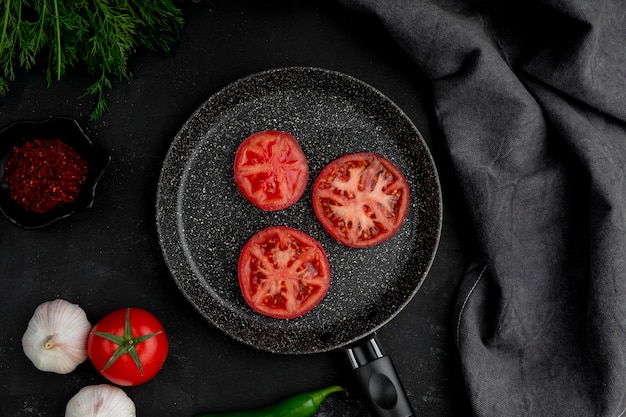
{"x":44,"y":174}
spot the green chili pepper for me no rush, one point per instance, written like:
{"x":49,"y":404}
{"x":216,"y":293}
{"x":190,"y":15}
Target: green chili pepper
{"x":304,"y":404}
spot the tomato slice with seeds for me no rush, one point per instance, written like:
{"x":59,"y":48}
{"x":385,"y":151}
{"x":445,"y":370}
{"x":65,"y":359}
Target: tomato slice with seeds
{"x":361,"y":199}
{"x":283,"y":272}
{"x":271,"y":169}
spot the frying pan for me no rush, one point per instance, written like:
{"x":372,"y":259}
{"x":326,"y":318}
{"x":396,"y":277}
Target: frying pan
{"x":203,"y":220}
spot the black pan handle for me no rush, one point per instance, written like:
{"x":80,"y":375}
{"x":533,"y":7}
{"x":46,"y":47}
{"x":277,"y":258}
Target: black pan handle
{"x":377,"y":380}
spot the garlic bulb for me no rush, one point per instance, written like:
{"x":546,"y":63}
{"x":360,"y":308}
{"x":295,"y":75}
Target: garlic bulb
{"x":56,"y":337}
{"x":102,"y":400}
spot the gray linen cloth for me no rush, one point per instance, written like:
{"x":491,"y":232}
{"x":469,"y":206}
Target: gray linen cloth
{"x":531,"y":100}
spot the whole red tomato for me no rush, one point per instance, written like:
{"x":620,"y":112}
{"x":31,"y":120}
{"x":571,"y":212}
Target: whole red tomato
{"x":128,"y":346}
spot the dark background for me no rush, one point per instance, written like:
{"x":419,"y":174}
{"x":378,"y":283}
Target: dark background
{"x":109,"y":256}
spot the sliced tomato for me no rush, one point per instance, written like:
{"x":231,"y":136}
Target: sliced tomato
{"x":283,"y":272}
{"x":271,"y":169}
{"x":361,"y":199}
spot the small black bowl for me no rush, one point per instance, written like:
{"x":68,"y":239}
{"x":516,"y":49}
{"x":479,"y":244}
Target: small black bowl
{"x":70,"y":132}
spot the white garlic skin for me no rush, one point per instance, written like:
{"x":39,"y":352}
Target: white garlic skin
{"x":56,"y":337}
{"x":102,"y":400}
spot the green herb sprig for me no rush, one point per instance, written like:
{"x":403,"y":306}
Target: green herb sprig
{"x":100,"y":34}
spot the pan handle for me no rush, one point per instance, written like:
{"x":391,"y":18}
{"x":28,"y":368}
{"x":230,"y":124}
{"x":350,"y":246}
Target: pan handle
{"x":377,"y":381}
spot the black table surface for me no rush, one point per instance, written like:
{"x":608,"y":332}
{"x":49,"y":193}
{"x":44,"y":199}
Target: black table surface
{"x":109,"y":256}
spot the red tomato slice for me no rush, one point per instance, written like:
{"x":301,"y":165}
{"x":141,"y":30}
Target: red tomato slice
{"x":283,"y":272}
{"x":361,"y":199}
{"x":271,"y":170}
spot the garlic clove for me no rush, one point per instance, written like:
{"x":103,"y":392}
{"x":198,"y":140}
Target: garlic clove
{"x":102,"y":400}
{"x":56,"y":337}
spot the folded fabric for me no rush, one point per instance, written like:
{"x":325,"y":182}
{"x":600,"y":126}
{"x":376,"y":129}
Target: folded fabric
{"x":531,"y":101}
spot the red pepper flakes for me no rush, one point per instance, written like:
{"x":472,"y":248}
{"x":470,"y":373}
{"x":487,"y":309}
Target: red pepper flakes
{"x":44,"y":174}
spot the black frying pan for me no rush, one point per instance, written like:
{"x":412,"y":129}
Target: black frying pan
{"x":204,"y":221}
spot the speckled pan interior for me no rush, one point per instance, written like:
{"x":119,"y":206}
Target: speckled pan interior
{"x":203,"y":220}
